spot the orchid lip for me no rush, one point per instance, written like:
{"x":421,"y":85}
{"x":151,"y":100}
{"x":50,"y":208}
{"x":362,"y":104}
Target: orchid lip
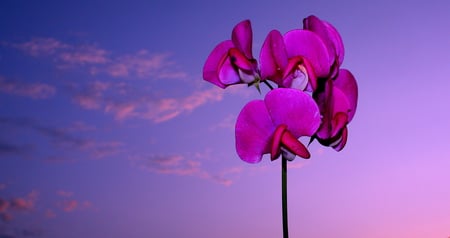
{"x":246,"y":78}
{"x":336,"y":142}
{"x":284,"y":142}
{"x":301,"y":79}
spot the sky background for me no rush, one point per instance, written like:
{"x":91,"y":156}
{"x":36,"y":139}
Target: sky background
{"x":107,"y":128}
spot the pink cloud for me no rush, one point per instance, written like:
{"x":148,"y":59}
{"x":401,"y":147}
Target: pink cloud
{"x":180,"y":166}
{"x":91,"y":96}
{"x":122,"y":111}
{"x":227,"y":122}
{"x":84,"y":55}
{"x":17,"y":204}
{"x":70,"y":205}
{"x":49,"y":213}
{"x":175,"y":164}
{"x":6,"y":217}
{"x":141,"y":64}
{"x":41,"y":46}
{"x":24,"y":203}
{"x":169,"y":108}
{"x":100,"y":86}
{"x":110,"y":99}
{"x":64,"y":193}
{"x":3,"y":205}
{"x":31,"y":90}
{"x":63,"y":139}
{"x":80,"y":126}
{"x":102,"y":149}
{"x":87,"y":101}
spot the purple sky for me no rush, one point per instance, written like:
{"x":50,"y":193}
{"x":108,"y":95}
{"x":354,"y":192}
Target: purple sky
{"x":108,"y":130}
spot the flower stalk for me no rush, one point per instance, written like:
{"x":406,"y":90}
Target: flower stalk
{"x":284,"y":196}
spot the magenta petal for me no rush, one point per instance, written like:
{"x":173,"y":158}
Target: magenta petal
{"x":242,"y":37}
{"x":347,"y":84}
{"x":240,"y":60}
{"x":227,"y":73}
{"x":254,"y":129}
{"x":310,"y":46}
{"x":214,"y":63}
{"x":339,"y":121}
{"x":329,"y":35}
{"x":275,"y":149}
{"x":294,"y":146}
{"x":273,"y":58}
{"x":335,"y":37}
{"x":334,"y":107}
{"x":292,"y":65}
{"x":294,"y":108}
{"x":343,"y":140}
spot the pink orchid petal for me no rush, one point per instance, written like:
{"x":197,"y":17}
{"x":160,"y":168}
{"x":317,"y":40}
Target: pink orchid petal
{"x":310,"y":46}
{"x":273,"y":57}
{"x":329,"y":35}
{"x":239,"y":59}
{"x":293,"y":65}
{"x":254,"y":129}
{"x":339,"y":121}
{"x":242,"y":37}
{"x":294,"y":146}
{"x":215,"y":61}
{"x":343,"y":140}
{"x":295,"y":109}
{"x":276,"y":142}
{"x":346,"y":82}
{"x":227,"y":73}
{"x":335,"y":107}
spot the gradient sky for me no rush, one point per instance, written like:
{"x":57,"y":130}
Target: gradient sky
{"x":108,"y":130}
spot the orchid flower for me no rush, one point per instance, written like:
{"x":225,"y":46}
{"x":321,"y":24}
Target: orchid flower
{"x":231,"y":61}
{"x":274,"y":124}
{"x":300,"y":61}
{"x":337,"y":102}
{"x":295,"y":60}
{"x":330,"y":37}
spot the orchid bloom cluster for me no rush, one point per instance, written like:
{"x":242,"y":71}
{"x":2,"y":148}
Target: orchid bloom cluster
{"x":314,"y":98}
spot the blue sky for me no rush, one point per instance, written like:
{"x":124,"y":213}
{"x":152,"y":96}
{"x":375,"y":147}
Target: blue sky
{"x":108,"y":130}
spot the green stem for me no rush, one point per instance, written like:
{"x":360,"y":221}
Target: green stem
{"x":284,"y":196}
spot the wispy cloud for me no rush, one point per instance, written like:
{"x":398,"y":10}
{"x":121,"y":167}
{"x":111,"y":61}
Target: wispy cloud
{"x":24,"y":203}
{"x":6,"y":217}
{"x":7,"y":148}
{"x":41,"y":46}
{"x":49,"y":213}
{"x":97,"y":60}
{"x":64,"y":193}
{"x":3,"y":205}
{"x":180,"y":166}
{"x":61,"y":138}
{"x":227,"y":122}
{"x":17,"y":204}
{"x":70,"y":205}
{"x":143,"y":64}
{"x":112,"y":99}
{"x":31,"y":90}
{"x":164,"y":109}
{"x":84,"y":55}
